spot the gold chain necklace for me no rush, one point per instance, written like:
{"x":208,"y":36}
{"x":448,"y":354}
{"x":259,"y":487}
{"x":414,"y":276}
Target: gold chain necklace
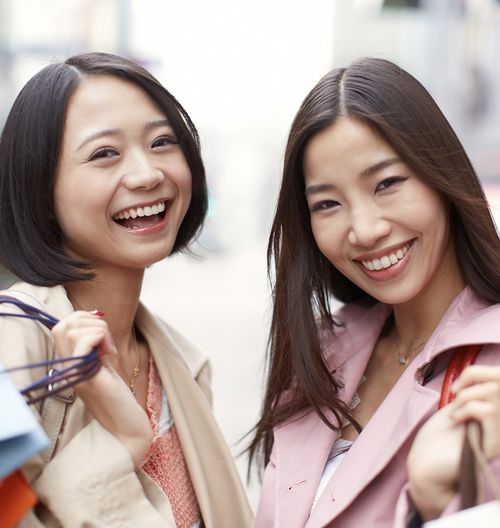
{"x":135,"y":372}
{"x":403,"y":358}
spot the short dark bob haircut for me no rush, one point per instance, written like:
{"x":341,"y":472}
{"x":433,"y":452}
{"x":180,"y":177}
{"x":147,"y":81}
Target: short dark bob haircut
{"x":31,"y":240}
{"x":393,"y":103}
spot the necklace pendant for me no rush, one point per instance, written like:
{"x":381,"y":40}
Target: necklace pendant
{"x":402,"y":360}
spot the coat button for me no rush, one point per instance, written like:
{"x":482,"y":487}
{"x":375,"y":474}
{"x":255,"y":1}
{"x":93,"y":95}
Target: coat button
{"x":295,"y":484}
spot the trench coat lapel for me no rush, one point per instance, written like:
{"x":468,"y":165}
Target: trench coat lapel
{"x":203,"y":445}
{"x":396,"y":419}
{"x":302,"y":445}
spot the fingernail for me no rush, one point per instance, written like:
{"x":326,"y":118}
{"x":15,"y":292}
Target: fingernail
{"x":98,"y":313}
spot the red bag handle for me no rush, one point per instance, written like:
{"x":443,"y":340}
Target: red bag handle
{"x":462,"y":357}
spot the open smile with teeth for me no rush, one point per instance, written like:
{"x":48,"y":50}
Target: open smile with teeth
{"x":139,"y":217}
{"x":387,"y":260}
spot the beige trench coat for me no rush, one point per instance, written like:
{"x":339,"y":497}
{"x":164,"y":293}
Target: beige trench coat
{"x":91,"y":480}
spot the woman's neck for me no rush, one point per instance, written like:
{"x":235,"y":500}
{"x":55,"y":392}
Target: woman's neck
{"x":414,"y":322}
{"x":115,"y":294}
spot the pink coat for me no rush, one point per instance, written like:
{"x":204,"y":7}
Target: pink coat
{"x":371,"y":479}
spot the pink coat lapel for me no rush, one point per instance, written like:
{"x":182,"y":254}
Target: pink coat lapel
{"x":302,"y":446}
{"x":405,"y":408}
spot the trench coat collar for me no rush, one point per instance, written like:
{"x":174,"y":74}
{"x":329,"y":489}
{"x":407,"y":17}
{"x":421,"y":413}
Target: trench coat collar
{"x":216,"y":482}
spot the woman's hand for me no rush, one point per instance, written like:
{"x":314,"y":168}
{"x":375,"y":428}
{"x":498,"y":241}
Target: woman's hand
{"x":478,"y":398}
{"x":105,"y":395}
{"x":433,"y":462}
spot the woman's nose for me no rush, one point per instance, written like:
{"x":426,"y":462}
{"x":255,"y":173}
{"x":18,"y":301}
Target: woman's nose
{"x":368,"y":226}
{"x":141,"y":173}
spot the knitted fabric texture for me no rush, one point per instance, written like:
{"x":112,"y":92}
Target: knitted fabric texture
{"x":164,"y":461}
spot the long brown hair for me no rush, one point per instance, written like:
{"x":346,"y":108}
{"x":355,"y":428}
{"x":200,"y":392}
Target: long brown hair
{"x":396,"y":105}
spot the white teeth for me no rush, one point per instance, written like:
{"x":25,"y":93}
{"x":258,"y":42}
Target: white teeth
{"x":148,"y":210}
{"x":387,"y":260}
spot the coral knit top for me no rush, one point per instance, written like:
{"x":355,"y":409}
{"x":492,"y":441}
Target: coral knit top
{"x":164,"y":461}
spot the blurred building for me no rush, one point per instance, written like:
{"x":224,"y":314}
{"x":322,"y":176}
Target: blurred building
{"x":452,"y":47}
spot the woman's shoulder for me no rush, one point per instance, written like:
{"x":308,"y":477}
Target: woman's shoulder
{"x":52,"y":299}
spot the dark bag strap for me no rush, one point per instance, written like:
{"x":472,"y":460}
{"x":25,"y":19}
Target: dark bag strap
{"x":55,"y":390}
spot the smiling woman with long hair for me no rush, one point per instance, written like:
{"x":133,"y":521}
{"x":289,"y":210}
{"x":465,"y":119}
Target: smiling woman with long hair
{"x":100,"y":177}
{"x":380,"y":209}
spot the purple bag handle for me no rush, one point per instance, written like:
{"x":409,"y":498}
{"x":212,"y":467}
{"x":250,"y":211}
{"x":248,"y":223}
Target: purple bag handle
{"x":76,"y":369}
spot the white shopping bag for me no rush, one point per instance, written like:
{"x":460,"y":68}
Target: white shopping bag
{"x":483,"y":516}
{"x":21,"y":436}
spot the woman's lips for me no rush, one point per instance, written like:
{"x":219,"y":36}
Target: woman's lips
{"x":390,"y":265}
{"x":389,"y":259}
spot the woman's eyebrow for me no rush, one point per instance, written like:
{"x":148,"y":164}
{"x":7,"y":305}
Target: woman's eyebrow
{"x":157,"y":123}
{"x":373,"y":169}
{"x":100,"y":134}
{"x":315,"y":189}
{"x":381,"y":165}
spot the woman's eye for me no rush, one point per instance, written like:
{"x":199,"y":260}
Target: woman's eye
{"x":164,"y":141}
{"x":105,"y":153}
{"x":324,"y":205}
{"x":389,"y":182}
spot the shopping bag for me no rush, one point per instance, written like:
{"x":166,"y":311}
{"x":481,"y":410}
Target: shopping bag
{"x":21,"y":436}
{"x":16,"y":499}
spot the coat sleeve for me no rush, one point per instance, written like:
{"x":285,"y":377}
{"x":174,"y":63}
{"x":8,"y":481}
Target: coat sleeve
{"x":92,"y":482}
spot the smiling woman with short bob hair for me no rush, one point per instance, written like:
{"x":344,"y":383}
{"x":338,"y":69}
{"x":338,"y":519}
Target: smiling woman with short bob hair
{"x":380,"y":209}
{"x":101,"y":177}
{"x":31,"y":242}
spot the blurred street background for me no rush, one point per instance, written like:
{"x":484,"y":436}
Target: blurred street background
{"x":241,"y":69}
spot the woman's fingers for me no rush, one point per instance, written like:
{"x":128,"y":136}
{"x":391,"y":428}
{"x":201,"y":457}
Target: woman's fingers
{"x":477,"y":410}
{"x":487,"y":390}
{"x":79,"y":333}
{"x":476,"y":374}
{"x":478,"y":398}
